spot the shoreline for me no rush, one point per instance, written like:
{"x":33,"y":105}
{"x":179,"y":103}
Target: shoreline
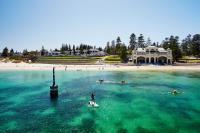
{"x":106,"y":67}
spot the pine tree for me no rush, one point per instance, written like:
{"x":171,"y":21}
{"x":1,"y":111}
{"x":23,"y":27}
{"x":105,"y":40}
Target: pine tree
{"x":118,"y":45}
{"x":173,"y":44}
{"x":42,"y":51}
{"x":186,"y":45}
{"x":195,"y":49}
{"x":113,"y":48}
{"x":132,"y":43}
{"x":123,"y":53}
{"x":100,"y":48}
{"x":66,"y":47}
{"x":62,"y":49}
{"x":81,"y":48}
{"x":5,"y":52}
{"x":118,"y":40}
{"x":69,"y":49}
{"x":74,"y":50}
{"x":166,"y":43}
{"x":25,"y":52}
{"x":141,"y":41}
{"x":107,"y":48}
{"x":11,"y":52}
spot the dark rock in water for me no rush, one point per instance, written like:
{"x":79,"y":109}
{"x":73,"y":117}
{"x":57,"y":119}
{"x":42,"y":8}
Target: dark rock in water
{"x":54,"y":87}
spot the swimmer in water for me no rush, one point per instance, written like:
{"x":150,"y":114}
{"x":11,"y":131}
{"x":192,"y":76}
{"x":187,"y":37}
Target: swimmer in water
{"x":123,"y":82}
{"x":175,"y":92}
{"x":101,"y":81}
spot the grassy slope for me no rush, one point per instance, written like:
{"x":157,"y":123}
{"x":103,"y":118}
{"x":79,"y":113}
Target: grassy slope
{"x":68,"y":60}
{"x":187,"y":59}
{"x":112,"y":59}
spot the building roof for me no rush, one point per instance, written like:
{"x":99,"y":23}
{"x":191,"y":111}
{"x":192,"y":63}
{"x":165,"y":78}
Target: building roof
{"x":140,"y":50}
{"x":158,"y":49}
{"x":55,"y":52}
{"x":151,"y":47}
{"x":161,"y":50}
{"x":94,"y":49}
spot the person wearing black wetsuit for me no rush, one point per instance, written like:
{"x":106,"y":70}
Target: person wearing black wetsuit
{"x":92,"y":97}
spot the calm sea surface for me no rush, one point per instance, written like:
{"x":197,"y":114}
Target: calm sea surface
{"x":143,"y":105}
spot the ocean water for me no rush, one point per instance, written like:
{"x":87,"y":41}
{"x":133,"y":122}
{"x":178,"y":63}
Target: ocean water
{"x":143,"y":105}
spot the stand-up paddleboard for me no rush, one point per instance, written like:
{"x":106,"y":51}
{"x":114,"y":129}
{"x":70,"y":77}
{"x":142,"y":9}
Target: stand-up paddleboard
{"x":92,"y":104}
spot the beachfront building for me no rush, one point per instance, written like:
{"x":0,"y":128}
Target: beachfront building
{"x":152,"y":54}
{"x":93,"y":52}
{"x":90,"y":52}
{"x":96,"y":52}
{"x":54,"y":53}
{"x":18,"y":53}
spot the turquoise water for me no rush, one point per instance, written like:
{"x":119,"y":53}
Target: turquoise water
{"x":143,"y":105}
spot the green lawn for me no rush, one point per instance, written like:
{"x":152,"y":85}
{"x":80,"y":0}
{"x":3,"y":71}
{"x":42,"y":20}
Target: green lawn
{"x":112,"y":58}
{"x":68,"y":60}
{"x":188,"y":59}
{"x":68,"y":57}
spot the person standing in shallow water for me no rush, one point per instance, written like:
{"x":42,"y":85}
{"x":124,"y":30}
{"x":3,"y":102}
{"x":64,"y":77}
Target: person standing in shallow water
{"x":92,"y":97}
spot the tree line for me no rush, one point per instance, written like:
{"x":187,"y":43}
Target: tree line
{"x":32,"y":55}
{"x":6,"y":52}
{"x":117,"y":48}
{"x":81,"y":48}
{"x":189,"y":46}
{"x":72,"y":49}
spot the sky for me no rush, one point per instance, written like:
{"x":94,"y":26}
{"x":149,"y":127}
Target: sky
{"x":31,"y":24}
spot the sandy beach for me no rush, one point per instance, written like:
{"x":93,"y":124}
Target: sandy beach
{"x":106,"y":67}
